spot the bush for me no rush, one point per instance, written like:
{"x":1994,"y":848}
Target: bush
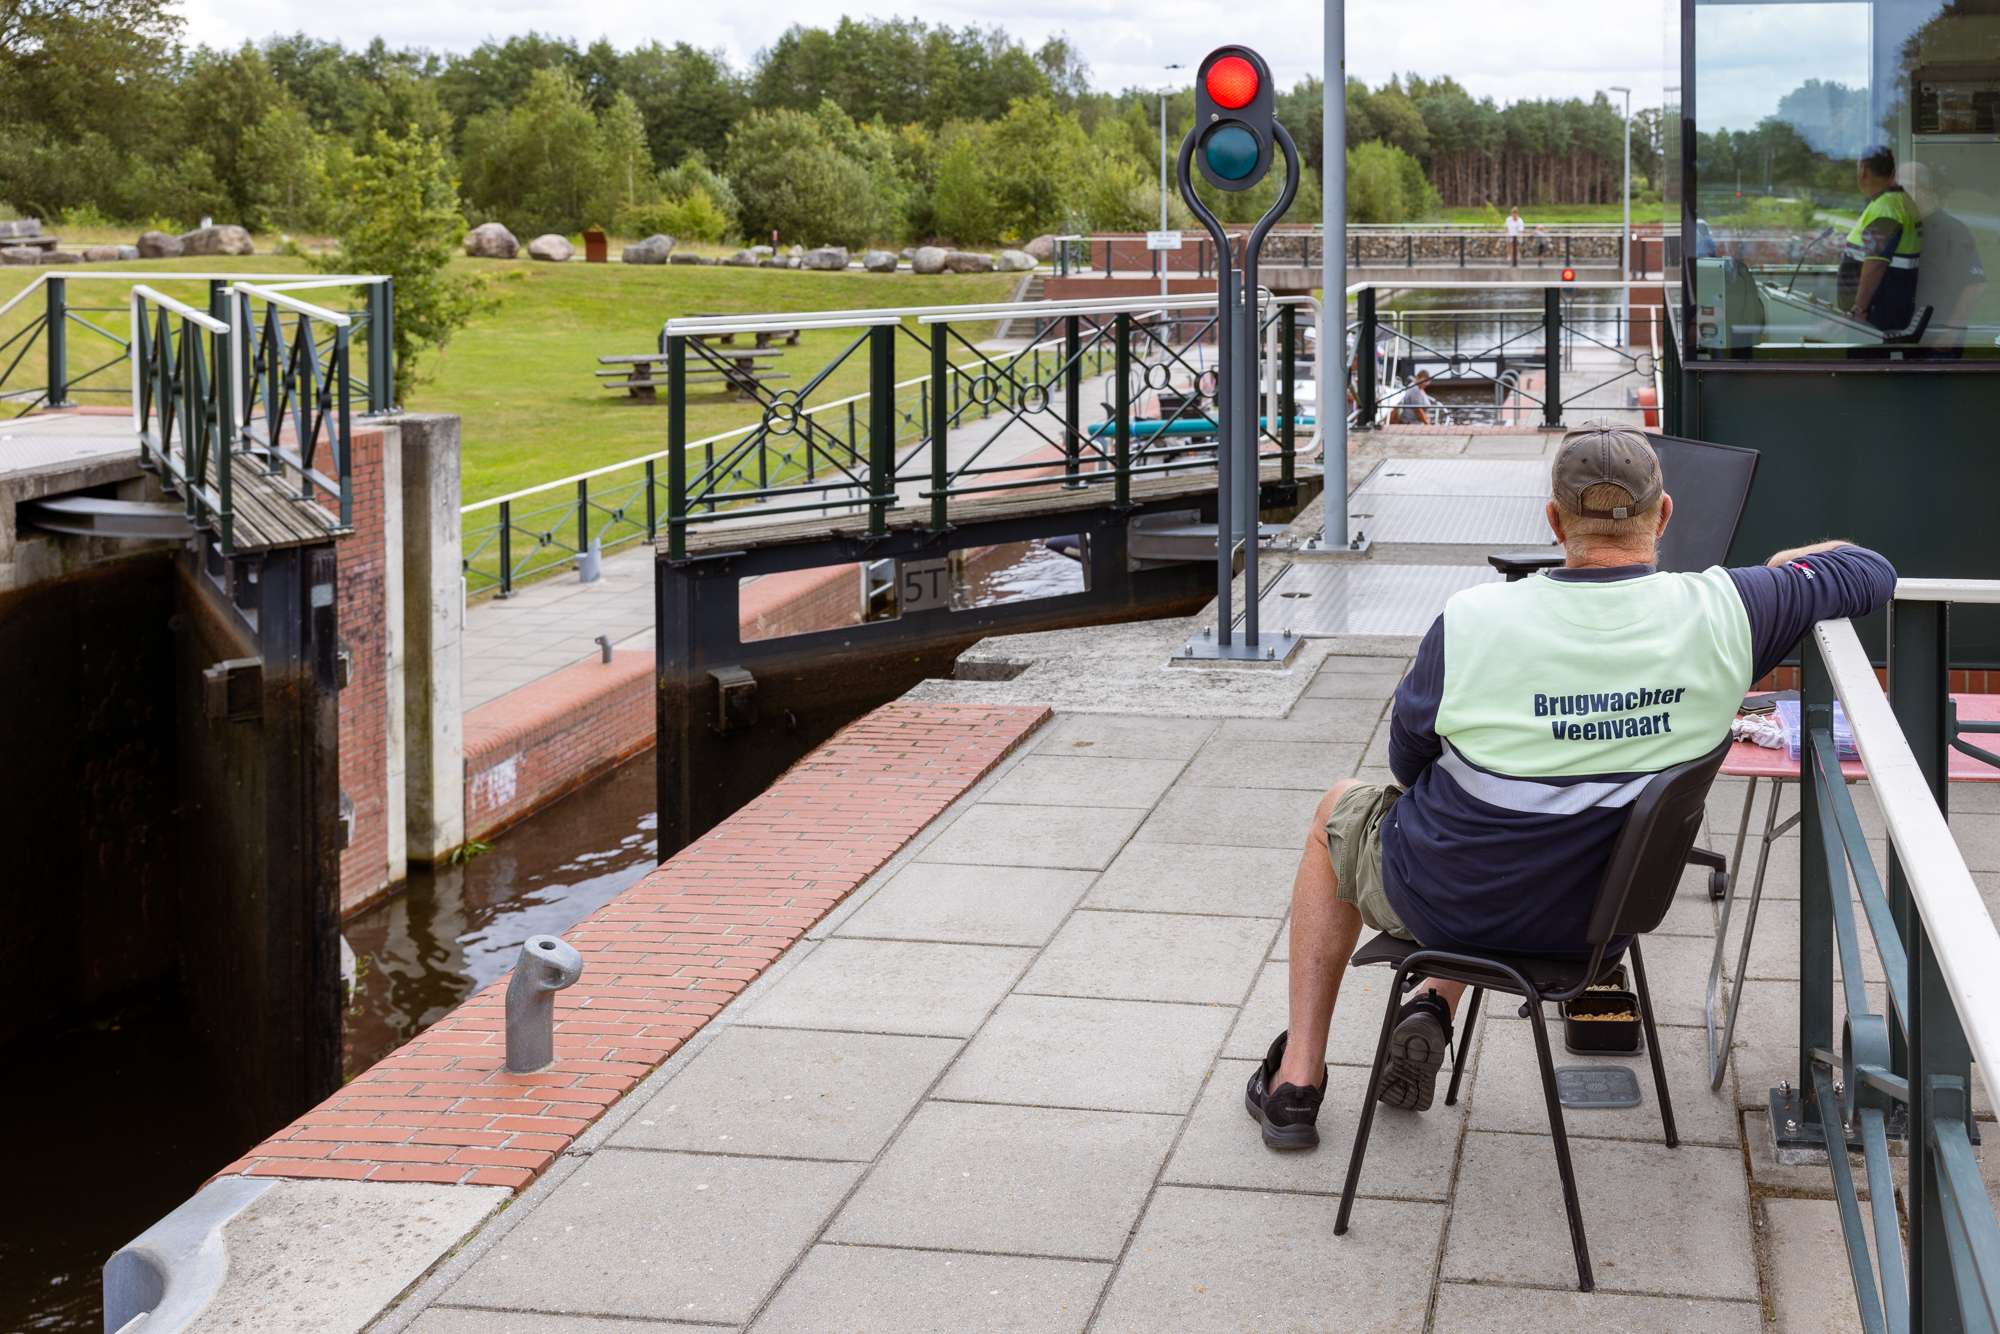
{"x":695,"y":218}
{"x":1385,"y":184}
{"x":792,"y":176}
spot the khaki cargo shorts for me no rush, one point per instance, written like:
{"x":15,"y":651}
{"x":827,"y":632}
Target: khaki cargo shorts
{"x":1354,"y":841}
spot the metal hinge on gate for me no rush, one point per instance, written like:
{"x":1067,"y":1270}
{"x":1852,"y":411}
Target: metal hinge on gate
{"x":233,"y":690}
{"x":347,"y":822}
{"x":343,"y":665}
{"x":735,"y":699}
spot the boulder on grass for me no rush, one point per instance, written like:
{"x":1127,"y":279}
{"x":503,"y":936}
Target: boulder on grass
{"x":20,"y":254}
{"x":761,"y":252}
{"x":1014,"y":261}
{"x":54,"y":256}
{"x":653,"y":250}
{"x":967,"y":261}
{"x":491,"y":240}
{"x":928,"y":259}
{"x":828,"y":258}
{"x":159,"y":245}
{"x":104,"y":254}
{"x":550,"y":248}
{"x":742,"y":259}
{"x":879,"y":261}
{"x":1043,"y":248}
{"x":689,"y":259}
{"x":13,"y":227}
{"x":223,"y":239}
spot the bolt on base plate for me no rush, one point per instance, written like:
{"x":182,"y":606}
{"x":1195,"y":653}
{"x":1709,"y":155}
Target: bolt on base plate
{"x":1269,"y":651}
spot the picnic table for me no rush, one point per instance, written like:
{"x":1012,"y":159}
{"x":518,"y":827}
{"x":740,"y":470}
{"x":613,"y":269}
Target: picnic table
{"x":641,"y":374}
{"x":765,"y":337}
{"x":1777,"y":766}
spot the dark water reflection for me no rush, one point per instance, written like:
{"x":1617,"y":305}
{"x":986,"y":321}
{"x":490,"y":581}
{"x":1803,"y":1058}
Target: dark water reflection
{"x":450,"y":933}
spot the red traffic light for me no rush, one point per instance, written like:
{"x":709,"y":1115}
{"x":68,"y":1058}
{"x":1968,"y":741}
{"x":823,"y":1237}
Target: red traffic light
{"x":1232,"y":82}
{"x":1569,"y":275}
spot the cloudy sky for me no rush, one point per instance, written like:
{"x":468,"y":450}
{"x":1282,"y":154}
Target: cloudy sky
{"x":1504,"y":50}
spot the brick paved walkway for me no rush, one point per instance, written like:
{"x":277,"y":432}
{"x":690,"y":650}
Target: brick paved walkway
{"x":1000,"y":1088}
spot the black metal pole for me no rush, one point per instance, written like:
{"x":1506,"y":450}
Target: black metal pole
{"x":1552,"y":399}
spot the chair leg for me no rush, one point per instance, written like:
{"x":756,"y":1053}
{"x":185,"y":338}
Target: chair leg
{"x":1577,"y":1241}
{"x":1464,"y":1046}
{"x":1653,"y":1046}
{"x":1360,"y":1148}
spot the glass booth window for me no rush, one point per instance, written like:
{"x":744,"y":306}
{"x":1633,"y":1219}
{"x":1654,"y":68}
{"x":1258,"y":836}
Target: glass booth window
{"x":1844,"y":198}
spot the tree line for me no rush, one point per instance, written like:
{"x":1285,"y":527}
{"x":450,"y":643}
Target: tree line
{"x":868,"y":131}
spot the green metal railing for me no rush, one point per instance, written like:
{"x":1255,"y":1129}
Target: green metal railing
{"x":910,"y":439}
{"x":1909,"y":1072}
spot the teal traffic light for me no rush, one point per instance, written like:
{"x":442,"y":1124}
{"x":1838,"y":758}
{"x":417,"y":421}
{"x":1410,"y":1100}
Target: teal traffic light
{"x":1232,"y":108}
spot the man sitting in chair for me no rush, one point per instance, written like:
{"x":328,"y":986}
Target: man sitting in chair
{"x":1531,"y":717}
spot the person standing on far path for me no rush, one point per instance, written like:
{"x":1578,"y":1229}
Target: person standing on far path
{"x":1515,"y":229}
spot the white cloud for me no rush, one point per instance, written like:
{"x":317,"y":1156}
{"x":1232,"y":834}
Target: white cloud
{"x":1505,"y":51}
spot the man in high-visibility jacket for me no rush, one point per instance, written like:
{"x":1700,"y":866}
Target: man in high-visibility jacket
{"x":1878,"y":268}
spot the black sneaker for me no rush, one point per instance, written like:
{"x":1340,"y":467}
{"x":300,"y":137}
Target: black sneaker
{"x":1286,"y":1112}
{"x":1417,"y":1050}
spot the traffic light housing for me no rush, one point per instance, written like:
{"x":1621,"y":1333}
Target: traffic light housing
{"x":1232,"y":118}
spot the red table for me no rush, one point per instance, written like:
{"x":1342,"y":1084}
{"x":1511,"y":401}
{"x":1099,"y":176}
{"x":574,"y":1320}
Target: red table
{"x":1776,"y":766}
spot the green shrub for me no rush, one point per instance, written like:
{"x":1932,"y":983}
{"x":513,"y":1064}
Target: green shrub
{"x":694,"y":218}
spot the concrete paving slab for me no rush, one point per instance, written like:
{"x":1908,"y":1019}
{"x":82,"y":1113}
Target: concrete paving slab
{"x":1767,"y":1036}
{"x":484,"y":1320}
{"x":1243,"y":762}
{"x":1807,"y":1262}
{"x":976,"y":905}
{"x":1774,"y":950}
{"x":1061,"y":1051}
{"x":1152,"y":956}
{"x":1363,"y":664}
{"x":1060,"y":836}
{"x":1410,"y":1154}
{"x":1122,"y":737}
{"x":790,"y":1094}
{"x":1488,"y":1308}
{"x":1083,"y":780}
{"x":1669,"y":1222}
{"x":1349,"y":720}
{"x":891,"y":986}
{"x":1357,"y":1016}
{"x":1021,"y":1180}
{"x":1231,"y":817}
{"x":692,"y":1237}
{"x":1234,"y":1260}
{"x":1509,"y":1092}
{"x":884,"y":1291}
{"x":1189,"y":878}
{"x":1355,"y":685}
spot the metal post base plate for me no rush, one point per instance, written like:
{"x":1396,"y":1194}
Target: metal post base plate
{"x":1316,"y":548}
{"x":1270,"y":651}
{"x":1797,"y":1142}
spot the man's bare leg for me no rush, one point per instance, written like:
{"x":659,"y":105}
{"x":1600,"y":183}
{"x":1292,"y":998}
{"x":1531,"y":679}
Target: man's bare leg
{"x":1324,"y":932}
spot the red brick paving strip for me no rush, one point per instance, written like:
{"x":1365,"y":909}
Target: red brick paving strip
{"x":660,"y":960}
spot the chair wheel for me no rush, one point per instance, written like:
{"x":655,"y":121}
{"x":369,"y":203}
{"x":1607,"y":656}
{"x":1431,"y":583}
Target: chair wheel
{"x":1718,"y":886}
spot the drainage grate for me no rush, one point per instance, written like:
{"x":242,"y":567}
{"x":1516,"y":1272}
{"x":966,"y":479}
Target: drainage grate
{"x":1322,"y":599}
{"x":1468,"y":502}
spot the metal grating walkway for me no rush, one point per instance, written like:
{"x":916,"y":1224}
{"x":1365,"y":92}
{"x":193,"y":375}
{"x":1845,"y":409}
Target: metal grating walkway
{"x":1321,"y":599}
{"x":1457,"y":502}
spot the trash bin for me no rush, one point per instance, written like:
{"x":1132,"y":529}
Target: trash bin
{"x":596,"y":249}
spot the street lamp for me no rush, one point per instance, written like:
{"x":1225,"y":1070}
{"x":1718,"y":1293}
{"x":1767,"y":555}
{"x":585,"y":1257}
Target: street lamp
{"x":1625,"y":236}
{"x":1163,"y":174}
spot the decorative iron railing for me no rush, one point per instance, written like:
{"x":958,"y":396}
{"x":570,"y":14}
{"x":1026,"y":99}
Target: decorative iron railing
{"x":905,"y":439}
{"x":1403,"y":246}
{"x":263,"y":374}
{"x":1907,"y":1073}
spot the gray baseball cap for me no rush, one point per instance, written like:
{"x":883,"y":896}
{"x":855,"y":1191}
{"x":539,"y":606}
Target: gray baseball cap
{"x":1599,"y":452}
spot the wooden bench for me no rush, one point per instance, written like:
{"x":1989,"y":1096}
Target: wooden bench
{"x":641,"y":374}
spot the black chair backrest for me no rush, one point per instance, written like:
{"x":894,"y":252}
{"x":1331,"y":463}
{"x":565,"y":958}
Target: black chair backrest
{"x":1650,"y":855}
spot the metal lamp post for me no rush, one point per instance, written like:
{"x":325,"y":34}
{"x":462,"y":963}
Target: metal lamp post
{"x":1625,"y":236}
{"x":1163,"y":175}
{"x":1330,"y":365}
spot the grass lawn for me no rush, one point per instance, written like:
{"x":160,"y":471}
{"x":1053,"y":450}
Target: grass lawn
{"x":1556,"y":215}
{"x":521,"y":375}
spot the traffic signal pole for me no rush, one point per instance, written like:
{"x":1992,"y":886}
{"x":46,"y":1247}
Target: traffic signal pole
{"x":1231,"y":143}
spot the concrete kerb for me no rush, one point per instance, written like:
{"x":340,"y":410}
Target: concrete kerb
{"x":444,"y":1275}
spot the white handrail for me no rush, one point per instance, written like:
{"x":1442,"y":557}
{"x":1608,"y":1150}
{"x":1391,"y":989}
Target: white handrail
{"x":1948,"y":590}
{"x":185,"y":311}
{"x":1957,"y":923}
{"x":831,"y":319}
{"x":24,"y":293}
{"x":293,"y":304}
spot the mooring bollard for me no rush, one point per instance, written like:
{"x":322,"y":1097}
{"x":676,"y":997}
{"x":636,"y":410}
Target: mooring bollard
{"x":547,"y":965}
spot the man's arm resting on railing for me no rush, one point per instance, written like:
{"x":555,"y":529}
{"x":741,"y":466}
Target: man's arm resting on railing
{"x":1797,"y":587}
